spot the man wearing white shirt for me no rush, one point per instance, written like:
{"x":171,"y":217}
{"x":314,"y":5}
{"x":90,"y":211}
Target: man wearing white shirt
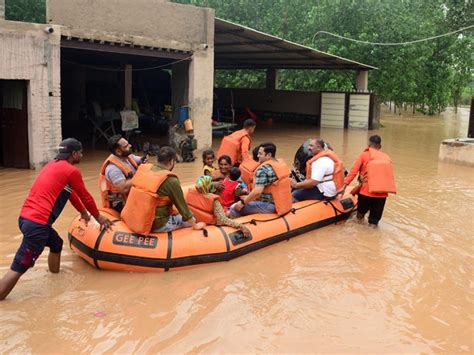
{"x":319,"y":183}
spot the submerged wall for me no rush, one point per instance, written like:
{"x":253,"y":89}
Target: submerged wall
{"x":458,"y":151}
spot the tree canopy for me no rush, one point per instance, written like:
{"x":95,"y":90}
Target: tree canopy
{"x":431,"y":74}
{"x":25,"y":10}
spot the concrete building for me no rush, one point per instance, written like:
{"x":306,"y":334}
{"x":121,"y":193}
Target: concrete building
{"x":97,"y":54}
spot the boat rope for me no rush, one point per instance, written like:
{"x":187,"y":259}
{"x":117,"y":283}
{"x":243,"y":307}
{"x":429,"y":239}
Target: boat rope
{"x":293,"y":210}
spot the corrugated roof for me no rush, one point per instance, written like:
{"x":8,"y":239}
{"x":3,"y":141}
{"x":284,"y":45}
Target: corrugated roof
{"x":241,"y":47}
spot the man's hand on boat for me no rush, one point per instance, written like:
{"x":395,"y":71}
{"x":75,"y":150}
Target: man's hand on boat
{"x":293,"y":183}
{"x":85,"y":216}
{"x":104,"y":222}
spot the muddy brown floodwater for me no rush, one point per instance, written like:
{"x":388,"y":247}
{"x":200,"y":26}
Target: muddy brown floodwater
{"x":405,"y":287}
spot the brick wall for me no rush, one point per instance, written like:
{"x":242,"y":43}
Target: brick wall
{"x":28,"y":53}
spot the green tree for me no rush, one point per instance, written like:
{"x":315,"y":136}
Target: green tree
{"x":429,"y":75}
{"x":26,"y":10}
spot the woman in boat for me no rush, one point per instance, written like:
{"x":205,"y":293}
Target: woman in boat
{"x":225,"y":164}
{"x":207,"y":206}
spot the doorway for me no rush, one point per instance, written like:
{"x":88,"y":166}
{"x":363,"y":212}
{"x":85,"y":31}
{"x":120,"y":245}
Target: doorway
{"x":14,"y":124}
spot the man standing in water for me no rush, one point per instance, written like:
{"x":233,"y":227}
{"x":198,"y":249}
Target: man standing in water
{"x":58,"y":182}
{"x":237,"y":145}
{"x":376,"y":175}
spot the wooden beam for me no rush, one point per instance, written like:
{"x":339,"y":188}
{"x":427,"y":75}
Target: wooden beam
{"x":264,"y":51}
{"x":296,"y":66}
{"x":230,"y":30}
{"x":275,"y":59}
{"x":121,"y":49}
{"x":246,"y":43}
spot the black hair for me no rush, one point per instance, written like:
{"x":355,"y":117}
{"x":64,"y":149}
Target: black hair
{"x":255,"y":153}
{"x":269,"y":147}
{"x":207,"y":152}
{"x":319,"y":141}
{"x":249,"y":123}
{"x":226,"y":158}
{"x":375,"y":140}
{"x":112,"y":143}
{"x":234,"y":173}
{"x":166,"y":154}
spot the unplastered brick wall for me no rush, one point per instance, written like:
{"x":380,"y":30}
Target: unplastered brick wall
{"x":29,"y":53}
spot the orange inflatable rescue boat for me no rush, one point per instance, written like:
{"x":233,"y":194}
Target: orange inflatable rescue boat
{"x":121,"y":249}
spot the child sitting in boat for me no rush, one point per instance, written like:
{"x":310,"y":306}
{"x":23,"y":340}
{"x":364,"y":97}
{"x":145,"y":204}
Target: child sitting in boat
{"x":208,"y":159}
{"x":207,"y":206}
{"x":234,"y":187}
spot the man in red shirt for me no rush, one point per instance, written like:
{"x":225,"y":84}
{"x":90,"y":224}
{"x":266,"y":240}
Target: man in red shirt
{"x":58,"y":182}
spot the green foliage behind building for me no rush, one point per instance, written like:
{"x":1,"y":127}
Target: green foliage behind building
{"x":25,"y":10}
{"x":431,"y":74}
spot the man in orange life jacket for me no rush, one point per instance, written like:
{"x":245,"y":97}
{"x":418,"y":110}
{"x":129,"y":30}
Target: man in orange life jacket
{"x":171,"y":188}
{"x":237,"y":144}
{"x":319,"y":183}
{"x":271,"y":192}
{"x":369,"y":201}
{"x":116,"y":173}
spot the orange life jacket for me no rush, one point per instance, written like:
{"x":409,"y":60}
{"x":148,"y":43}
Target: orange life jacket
{"x":247,"y":170}
{"x":281,"y":188}
{"x":338,"y":174}
{"x":106,"y":188}
{"x":380,"y":173}
{"x":140,"y":209}
{"x":202,"y":205}
{"x":230,"y":145}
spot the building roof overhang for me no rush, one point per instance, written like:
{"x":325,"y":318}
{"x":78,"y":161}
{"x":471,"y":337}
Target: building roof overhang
{"x":241,"y":47}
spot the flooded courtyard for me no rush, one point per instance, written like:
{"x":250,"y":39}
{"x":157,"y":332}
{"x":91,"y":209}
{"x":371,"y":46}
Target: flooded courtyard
{"x":404,"y":287}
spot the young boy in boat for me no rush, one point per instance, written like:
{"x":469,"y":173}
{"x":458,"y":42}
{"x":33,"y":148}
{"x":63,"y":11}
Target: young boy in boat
{"x":234,"y":187}
{"x":208,"y":159}
{"x":58,"y":182}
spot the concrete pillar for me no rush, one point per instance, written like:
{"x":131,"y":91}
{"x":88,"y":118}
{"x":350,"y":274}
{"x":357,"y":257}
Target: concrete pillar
{"x":179,"y":87}
{"x":128,"y":86}
{"x":2,"y":9}
{"x":362,"y":80}
{"x":272,"y":79}
{"x":201,"y":79}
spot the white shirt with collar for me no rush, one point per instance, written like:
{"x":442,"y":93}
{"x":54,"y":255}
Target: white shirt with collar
{"x":321,"y":167}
